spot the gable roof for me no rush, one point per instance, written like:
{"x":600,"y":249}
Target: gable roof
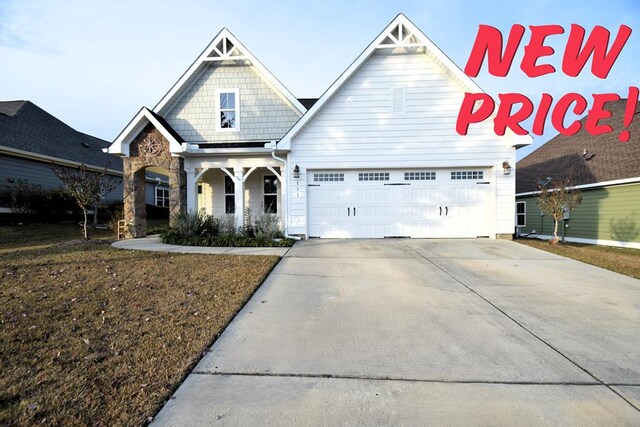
{"x":120,"y":145}
{"x":224,"y":47}
{"x":401,"y":32}
{"x":588,"y":159}
{"x":26,"y":128}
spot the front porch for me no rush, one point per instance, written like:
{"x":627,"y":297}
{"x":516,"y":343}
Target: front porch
{"x":231,"y":186}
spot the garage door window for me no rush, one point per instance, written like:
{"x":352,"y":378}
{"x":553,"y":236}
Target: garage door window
{"x":270,"y":194}
{"x":467,"y":175}
{"x":373,"y":176}
{"x":521,"y":214}
{"x":419,"y":176}
{"x":328,"y":177}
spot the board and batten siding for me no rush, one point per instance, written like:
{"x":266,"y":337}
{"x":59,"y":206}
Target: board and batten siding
{"x":358,"y":129}
{"x":606,"y":214}
{"x":263,"y":113}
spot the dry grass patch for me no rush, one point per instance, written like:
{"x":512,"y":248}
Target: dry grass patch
{"x":621,"y":260}
{"x":91,"y":335}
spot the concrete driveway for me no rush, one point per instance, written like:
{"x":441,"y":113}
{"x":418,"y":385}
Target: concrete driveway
{"x":418,"y":332}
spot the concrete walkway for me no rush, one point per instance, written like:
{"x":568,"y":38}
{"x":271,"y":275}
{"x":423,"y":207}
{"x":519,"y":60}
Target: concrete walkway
{"x":153,"y":243}
{"x":423,"y":332}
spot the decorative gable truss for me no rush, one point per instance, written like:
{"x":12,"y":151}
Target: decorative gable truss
{"x":400,"y":36}
{"x":225,"y":50}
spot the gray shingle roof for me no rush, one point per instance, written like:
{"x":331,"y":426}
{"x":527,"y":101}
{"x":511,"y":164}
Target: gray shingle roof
{"x":586,"y":158}
{"x":25,"y":126}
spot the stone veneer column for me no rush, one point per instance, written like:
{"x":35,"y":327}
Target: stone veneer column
{"x":135,"y":212}
{"x":177,"y":188}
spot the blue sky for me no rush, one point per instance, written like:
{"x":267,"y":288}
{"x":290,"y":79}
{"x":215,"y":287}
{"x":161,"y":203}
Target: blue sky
{"x":94,"y":64}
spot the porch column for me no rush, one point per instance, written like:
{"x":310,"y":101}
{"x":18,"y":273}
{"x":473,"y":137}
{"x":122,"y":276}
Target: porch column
{"x":135,"y":212}
{"x":177,"y":188}
{"x":192,"y":192}
{"x":239,"y":196}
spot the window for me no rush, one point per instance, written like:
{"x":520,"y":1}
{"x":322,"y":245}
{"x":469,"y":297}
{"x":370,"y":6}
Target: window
{"x":467,"y":175}
{"x":228,"y":102}
{"x":328,"y":177}
{"x":419,"y":176}
{"x":521,"y":214}
{"x":373,"y":176}
{"x":162,"y":197}
{"x":229,"y":195}
{"x":270,"y":194}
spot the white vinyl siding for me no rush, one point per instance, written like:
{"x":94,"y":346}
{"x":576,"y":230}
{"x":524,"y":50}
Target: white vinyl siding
{"x":357,"y":129}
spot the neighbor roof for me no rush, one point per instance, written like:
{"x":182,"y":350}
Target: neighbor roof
{"x":586,"y":158}
{"x":25,"y":126}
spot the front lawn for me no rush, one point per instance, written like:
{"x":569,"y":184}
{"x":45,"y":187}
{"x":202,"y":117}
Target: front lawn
{"x":621,"y":260}
{"x":91,"y":335}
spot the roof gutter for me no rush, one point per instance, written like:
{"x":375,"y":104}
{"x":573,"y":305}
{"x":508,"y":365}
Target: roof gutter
{"x":594,"y":185}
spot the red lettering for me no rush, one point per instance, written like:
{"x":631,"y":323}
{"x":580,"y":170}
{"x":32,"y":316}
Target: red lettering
{"x":536,"y":49}
{"x":541,"y":115}
{"x":504,"y":119}
{"x":575,"y":56}
{"x":466,"y":115}
{"x":560,"y":111}
{"x":489,"y":43}
{"x":598,"y":112}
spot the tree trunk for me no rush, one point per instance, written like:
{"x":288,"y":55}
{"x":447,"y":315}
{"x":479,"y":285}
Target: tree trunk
{"x":555,"y":231}
{"x":86,"y":234}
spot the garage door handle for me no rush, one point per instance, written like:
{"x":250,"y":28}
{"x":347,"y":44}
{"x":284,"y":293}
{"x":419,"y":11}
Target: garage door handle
{"x":354,"y":211}
{"x":440,"y":210}
{"x":348,"y":211}
{"x":446,"y":210}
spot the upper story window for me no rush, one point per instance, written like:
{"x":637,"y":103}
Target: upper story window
{"x":228,"y":109}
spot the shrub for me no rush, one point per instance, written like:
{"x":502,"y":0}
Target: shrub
{"x":191,"y":224}
{"x":21,"y":196}
{"x":267,"y":226}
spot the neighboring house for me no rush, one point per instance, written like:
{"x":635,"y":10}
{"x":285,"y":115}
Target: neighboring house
{"x":376,"y":156}
{"x":607,"y":172}
{"x":32,"y":141}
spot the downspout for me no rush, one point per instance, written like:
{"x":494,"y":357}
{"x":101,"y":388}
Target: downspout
{"x":280,"y":159}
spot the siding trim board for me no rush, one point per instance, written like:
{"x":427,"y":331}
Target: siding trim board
{"x":594,"y":185}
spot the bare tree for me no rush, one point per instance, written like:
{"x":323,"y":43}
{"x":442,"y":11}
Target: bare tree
{"x":86,"y":187}
{"x":21,"y":195}
{"x":556,"y":199}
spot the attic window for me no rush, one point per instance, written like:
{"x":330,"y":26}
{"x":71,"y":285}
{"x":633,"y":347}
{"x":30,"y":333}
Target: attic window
{"x":227,"y":110}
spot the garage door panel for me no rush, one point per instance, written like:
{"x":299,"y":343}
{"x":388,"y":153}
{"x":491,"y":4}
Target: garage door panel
{"x":439,"y":208}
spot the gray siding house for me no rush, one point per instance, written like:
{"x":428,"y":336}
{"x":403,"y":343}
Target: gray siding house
{"x":32,"y":141}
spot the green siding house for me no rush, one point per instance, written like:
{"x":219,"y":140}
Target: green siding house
{"x":607,"y":172}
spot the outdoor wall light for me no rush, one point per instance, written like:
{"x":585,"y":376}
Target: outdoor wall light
{"x":296,"y":172}
{"x":506,"y":168}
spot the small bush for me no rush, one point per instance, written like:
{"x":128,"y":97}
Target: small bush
{"x":200,"y":229}
{"x":21,"y":196}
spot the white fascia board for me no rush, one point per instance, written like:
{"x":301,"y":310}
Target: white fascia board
{"x":245,"y":150}
{"x":594,"y":185}
{"x":121,"y":144}
{"x":450,"y":68}
{"x":202,"y":59}
{"x":56,"y":160}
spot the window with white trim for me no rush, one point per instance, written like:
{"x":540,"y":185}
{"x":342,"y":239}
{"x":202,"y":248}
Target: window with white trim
{"x":328,"y":177}
{"x":228,"y":118}
{"x":521,"y":214}
{"x":419,"y":176}
{"x":467,"y":175}
{"x":229,"y":195}
{"x":162,"y":196}
{"x":373,"y":176}
{"x":270,"y":194}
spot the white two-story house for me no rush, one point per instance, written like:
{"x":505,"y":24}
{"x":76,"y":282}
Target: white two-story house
{"x":376,"y":156}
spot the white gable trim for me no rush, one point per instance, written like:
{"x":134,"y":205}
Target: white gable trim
{"x":447,"y":65}
{"x":121,"y":144}
{"x":212,"y":53}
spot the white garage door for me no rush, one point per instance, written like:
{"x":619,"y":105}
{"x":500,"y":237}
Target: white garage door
{"x":433,"y":203}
